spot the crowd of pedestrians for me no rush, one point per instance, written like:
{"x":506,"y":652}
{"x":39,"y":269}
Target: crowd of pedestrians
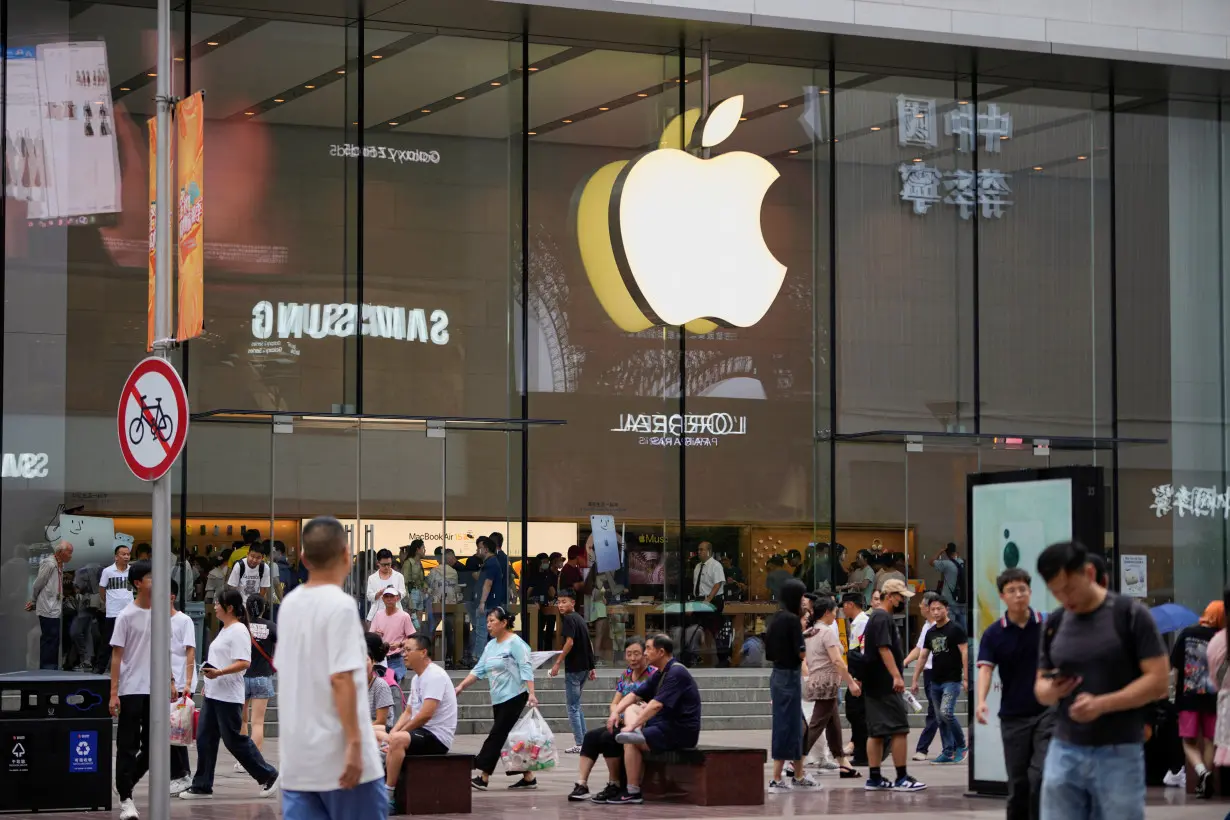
{"x":1076,"y":687}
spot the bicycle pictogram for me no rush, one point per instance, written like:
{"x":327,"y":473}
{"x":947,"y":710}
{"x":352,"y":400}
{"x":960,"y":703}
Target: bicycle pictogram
{"x":153,"y":417}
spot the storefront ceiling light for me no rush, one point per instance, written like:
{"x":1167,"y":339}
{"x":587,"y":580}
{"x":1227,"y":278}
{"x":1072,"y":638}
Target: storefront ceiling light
{"x":152,"y":74}
{"x":533,"y":68}
{"x":309,"y":86}
{"x":962,"y":102}
{"x":341,"y":71}
{"x":916,"y":159}
{"x":1037,"y":167}
{"x":495,"y":83}
{"x":392,"y":123}
{"x":460,"y":97}
{"x":567,"y":122}
{"x":1003,"y":137}
{"x":278,"y":99}
{"x":179,"y":59}
{"x":742,"y":119}
{"x":641,"y":94}
{"x":824,"y":91}
{"x":783,"y":105}
{"x":794,"y":150}
{"x":1082,"y":156}
{"x":603,"y":108}
{"x":875,"y":128}
{"x":125,"y":88}
{"x":377,"y":56}
{"x":532,"y":133}
{"x":425,"y":111}
{"x":249,"y":113}
{"x":212,"y":43}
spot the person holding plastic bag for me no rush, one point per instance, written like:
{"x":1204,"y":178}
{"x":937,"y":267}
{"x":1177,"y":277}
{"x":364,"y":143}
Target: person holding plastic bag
{"x":505,"y":665}
{"x":183,"y":664}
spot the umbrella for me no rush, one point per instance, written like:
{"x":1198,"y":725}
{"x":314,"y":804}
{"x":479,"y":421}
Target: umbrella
{"x":1173,"y":617}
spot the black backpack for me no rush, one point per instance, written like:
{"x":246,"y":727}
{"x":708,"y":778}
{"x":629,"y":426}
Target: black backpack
{"x":856,"y":659}
{"x":1125,"y":624}
{"x":960,"y":592}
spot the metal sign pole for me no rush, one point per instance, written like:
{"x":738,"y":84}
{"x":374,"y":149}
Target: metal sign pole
{"x":160,"y":613}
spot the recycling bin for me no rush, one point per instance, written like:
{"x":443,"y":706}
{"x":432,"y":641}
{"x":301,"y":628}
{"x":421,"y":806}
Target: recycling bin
{"x":55,"y":742}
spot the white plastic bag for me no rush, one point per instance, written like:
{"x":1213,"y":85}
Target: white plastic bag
{"x":530,"y":746}
{"x":181,"y":722}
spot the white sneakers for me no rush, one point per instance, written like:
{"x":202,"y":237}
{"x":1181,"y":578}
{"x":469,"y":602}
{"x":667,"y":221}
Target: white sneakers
{"x":573,"y":750}
{"x":788,"y":784}
{"x":181,"y":785}
{"x":920,"y":757}
{"x":239,"y":767}
{"x":128,"y":810}
{"x":270,"y":789}
{"x":1176,"y":780}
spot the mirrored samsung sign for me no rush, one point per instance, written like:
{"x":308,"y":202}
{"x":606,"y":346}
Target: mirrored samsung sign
{"x":397,"y":155}
{"x":293,"y":320}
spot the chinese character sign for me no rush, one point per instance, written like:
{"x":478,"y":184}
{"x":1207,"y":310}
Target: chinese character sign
{"x":916,"y":122}
{"x":920,"y":184}
{"x":1198,"y":502}
{"x":988,"y":190}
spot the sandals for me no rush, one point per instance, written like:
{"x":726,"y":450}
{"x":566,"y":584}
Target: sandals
{"x":846,"y":773}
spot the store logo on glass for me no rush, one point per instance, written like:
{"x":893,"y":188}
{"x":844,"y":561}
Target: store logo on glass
{"x":670,"y":238}
{"x":676,"y":430}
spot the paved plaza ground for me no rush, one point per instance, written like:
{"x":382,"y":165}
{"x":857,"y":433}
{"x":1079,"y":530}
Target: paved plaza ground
{"x":235,"y":797}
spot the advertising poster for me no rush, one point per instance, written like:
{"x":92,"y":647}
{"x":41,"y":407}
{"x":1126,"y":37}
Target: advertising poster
{"x":190,"y":125}
{"x":1012,"y":523}
{"x":153,"y":229}
{"x":1134,"y":575}
{"x":74,"y":155}
{"x":606,"y":542}
{"x":25,"y":156}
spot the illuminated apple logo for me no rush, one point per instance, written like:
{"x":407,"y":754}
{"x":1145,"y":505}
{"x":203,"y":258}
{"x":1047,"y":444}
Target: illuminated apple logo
{"x":669,"y":238}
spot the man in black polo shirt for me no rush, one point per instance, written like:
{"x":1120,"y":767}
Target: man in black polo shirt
{"x":1011,"y":646}
{"x":669,"y":721}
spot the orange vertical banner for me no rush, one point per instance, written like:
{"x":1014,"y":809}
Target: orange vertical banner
{"x":190,"y":127}
{"x":153,"y":234}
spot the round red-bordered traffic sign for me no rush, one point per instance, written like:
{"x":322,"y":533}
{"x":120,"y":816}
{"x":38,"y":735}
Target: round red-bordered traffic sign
{"x":152,"y":418}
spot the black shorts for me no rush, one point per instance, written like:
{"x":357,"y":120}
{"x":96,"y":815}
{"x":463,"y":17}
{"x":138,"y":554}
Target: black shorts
{"x":886,"y":715}
{"x":423,"y":742}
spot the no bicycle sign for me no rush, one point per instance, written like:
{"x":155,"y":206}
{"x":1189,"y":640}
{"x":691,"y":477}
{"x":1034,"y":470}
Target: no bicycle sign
{"x":152,"y":418}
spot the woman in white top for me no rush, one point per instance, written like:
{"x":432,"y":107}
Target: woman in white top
{"x":230,"y":654}
{"x":383,"y":577}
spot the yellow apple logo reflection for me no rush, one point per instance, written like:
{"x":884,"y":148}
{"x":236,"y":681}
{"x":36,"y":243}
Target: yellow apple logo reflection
{"x":669,"y":238}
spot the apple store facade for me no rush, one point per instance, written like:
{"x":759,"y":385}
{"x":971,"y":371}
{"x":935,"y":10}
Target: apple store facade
{"x":423,"y":317}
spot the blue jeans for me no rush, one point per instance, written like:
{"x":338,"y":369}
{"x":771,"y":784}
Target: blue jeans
{"x":479,"y":636}
{"x":220,"y":722}
{"x":933,"y":724}
{"x":398,"y":664}
{"x":945,"y":695}
{"x":1093,"y":782}
{"x":574,"y":685}
{"x":366,"y":800}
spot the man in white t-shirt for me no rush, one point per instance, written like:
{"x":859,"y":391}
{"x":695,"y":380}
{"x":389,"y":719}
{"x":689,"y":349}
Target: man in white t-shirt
{"x":183,"y":664}
{"x":932,"y":725}
{"x":251,"y":576}
{"x":116,"y":594}
{"x":130,"y":687}
{"x":427,"y":727}
{"x":330,"y":762}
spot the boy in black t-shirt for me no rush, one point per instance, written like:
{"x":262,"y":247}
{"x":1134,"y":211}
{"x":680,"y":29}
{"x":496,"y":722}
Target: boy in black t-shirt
{"x":948,"y":647}
{"x":883,"y":687}
{"x":578,"y":659}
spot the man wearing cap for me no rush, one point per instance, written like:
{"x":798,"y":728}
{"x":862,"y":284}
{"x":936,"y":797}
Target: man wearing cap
{"x":394,"y":625}
{"x":883,"y":687}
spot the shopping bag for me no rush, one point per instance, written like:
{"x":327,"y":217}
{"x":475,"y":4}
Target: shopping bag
{"x":530,"y":746}
{"x":183,"y":722}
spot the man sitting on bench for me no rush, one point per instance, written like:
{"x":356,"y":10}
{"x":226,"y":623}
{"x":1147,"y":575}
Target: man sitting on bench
{"x":670,"y":721}
{"x":429,"y":723}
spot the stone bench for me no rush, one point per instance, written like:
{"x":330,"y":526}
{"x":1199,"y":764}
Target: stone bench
{"x":706,"y":776}
{"x":435,"y":784}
